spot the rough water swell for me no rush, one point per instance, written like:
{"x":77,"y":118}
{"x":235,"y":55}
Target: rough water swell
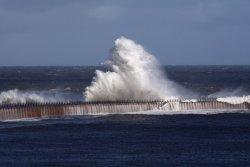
{"x":16,"y":96}
{"x":135,"y":75}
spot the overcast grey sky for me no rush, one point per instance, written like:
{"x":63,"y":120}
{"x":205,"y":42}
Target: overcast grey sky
{"x":81,"y":32}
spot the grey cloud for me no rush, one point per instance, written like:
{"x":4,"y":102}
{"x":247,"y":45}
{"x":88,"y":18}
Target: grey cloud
{"x":105,"y":12}
{"x":58,"y":32}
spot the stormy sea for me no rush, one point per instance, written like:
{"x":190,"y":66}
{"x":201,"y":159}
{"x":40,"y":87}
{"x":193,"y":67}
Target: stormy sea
{"x":145,"y":138}
{"x":125,"y":139}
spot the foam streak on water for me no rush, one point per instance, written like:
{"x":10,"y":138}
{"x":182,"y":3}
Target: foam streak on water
{"x":187,"y":112}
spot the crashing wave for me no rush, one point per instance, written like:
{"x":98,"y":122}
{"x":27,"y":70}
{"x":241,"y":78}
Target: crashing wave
{"x":235,"y":99}
{"x":16,"y":96}
{"x":135,"y":75}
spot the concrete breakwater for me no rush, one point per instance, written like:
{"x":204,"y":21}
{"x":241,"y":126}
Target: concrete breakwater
{"x":47,"y":110}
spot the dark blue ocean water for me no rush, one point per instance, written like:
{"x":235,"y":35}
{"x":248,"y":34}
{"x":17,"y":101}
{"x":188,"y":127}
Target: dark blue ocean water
{"x":127,"y":140}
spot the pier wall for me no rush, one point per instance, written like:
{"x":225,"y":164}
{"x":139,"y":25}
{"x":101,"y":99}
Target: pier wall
{"x":47,"y":110}
{"x":204,"y":105}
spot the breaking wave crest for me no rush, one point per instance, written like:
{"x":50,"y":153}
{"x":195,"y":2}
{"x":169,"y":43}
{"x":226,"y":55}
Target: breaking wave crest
{"x":16,"y":96}
{"x":135,"y":75}
{"x":234,"y":99}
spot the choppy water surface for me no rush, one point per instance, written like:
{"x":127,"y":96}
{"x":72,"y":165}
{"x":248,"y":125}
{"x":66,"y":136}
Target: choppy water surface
{"x":68,"y":83}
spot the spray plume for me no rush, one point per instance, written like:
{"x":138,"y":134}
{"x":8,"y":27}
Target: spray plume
{"x":135,"y":75}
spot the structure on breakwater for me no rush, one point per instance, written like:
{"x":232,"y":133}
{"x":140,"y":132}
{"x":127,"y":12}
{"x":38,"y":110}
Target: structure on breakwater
{"x":47,"y":110}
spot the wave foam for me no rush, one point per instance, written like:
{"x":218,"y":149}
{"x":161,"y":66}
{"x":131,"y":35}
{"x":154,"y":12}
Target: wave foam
{"x":234,"y":99}
{"x":135,"y":75}
{"x":16,"y":96}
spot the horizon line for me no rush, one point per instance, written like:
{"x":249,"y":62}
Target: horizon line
{"x":106,"y":66}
